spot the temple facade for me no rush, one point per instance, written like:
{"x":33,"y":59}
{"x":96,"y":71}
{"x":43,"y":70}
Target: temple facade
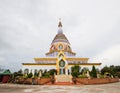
{"x":60,"y":57}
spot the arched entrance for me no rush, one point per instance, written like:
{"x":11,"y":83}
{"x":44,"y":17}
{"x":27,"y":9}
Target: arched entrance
{"x":62,"y":71}
{"x":62,"y":67}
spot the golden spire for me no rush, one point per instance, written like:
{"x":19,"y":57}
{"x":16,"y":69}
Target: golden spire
{"x":60,"y":24}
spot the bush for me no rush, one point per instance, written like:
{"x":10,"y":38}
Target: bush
{"x":84,"y":70}
{"x":46,"y":75}
{"x":93,"y":72}
{"x":118,"y":74}
{"x":29,"y":75}
{"x":75,"y":70}
{"x":82,"y":76}
{"x":15,"y":74}
{"x":52,"y":72}
{"x":101,"y":76}
{"x":75,"y":74}
{"x":35,"y":76}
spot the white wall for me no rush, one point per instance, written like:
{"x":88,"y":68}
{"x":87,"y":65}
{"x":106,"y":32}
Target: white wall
{"x":33,"y":68}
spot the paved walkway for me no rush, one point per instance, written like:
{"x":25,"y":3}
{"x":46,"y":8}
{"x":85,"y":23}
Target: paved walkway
{"x":103,"y":88}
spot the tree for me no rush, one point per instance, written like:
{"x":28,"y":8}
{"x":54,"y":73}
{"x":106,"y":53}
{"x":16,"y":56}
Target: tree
{"x":93,"y":72}
{"x":112,"y":70}
{"x":104,"y":70}
{"x":84,"y":70}
{"x":30,"y":75}
{"x":36,"y":73}
{"x":116,"y":70}
{"x":52,"y":72}
{"x":19,"y":73}
{"x":75,"y":70}
{"x":117,"y":74}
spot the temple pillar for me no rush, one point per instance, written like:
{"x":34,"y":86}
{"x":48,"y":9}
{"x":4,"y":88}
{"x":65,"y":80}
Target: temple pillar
{"x":66,"y":71}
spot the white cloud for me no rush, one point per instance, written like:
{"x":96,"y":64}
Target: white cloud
{"x":27,"y":28}
{"x":110,"y":56}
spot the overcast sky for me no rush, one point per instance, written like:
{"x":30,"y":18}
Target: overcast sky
{"x":27,"y":28}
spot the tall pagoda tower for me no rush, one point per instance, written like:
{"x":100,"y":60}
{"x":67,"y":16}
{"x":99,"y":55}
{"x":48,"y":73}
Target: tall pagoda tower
{"x":60,"y":43}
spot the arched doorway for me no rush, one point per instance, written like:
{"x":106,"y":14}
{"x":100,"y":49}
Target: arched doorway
{"x":61,"y":67}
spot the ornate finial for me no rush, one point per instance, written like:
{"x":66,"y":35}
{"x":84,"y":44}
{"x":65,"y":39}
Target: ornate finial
{"x":60,"y":24}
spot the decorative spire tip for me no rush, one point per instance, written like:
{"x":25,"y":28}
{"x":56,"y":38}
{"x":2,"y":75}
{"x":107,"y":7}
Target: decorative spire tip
{"x":60,"y":24}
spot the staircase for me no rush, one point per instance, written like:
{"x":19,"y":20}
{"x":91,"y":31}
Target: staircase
{"x":63,"y":79}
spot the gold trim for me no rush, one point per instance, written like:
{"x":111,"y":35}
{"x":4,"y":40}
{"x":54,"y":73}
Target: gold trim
{"x":26,"y":64}
{"x":86,"y":64}
{"x":73,"y":59}
{"x":38,"y":59}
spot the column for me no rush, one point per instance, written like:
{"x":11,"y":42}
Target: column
{"x":66,"y":71}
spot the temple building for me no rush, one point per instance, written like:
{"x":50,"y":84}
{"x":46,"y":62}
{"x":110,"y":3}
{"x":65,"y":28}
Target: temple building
{"x":60,"y":57}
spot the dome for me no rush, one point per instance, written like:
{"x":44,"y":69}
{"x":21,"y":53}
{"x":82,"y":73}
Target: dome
{"x":60,"y":37}
{"x":60,"y":43}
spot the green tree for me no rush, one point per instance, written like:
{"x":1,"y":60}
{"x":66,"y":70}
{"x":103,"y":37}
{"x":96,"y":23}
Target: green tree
{"x":104,"y":70}
{"x":75,"y":70}
{"x":117,"y":68}
{"x":112,"y":70}
{"x":84,"y":70}
{"x":52,"y":72}
{"x":30,"y":75}
{"x":93,"y":72}
{"x":36,"y":73}
{"x":117,"y":74}
{"x":117,"y":71}
{"x":19,"y":73}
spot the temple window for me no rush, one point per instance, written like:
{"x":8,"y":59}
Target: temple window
{"x":60,"y":47}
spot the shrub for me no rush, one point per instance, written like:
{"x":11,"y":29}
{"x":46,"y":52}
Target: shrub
{"x":29,"y":75}
{"x":75,"y":74}
{"x":84,"y":70}
{"x":118,"y":74}
{"x":35,"y":77}
{"x":82,"y":76}
{"x":101,"y":76}
{"x":46,"y":75}
{"x":94,"y":72}
{"x":75,"y":70}
{"x":52,"y":72}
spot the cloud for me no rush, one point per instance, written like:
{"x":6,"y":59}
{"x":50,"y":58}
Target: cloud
{"x":27,"y":28}
{"x":109,"y":56}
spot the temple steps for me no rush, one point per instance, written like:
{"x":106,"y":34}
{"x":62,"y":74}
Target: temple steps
{"x":63,"y":78}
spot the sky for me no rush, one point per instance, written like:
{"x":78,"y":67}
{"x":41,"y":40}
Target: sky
{"x":27,"y":28}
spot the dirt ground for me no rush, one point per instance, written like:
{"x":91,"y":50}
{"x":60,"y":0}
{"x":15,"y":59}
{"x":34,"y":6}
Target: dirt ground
{"x":103,"y":88}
